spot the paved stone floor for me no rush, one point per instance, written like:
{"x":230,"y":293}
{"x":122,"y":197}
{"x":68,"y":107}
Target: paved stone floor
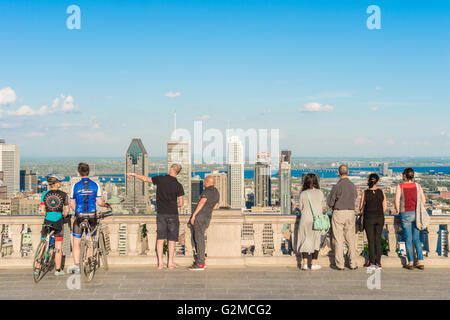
{"x":230,"y":283}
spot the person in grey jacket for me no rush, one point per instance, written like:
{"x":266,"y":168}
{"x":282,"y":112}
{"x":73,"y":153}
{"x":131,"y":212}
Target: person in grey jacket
{"x":342,"y":200}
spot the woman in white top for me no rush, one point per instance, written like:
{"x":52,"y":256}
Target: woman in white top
{"x":311,"y":203}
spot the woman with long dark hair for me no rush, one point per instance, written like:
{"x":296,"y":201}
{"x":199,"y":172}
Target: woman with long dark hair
{"x":405,"y":204}
{"x":311,"y":204}
{"x":372,"y":207}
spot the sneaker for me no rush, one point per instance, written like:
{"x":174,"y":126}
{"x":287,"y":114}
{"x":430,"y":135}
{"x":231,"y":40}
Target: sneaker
{"x":316,"y":267}
{"x":196,"y":267}
{"x":378,"y":265}
{"x":59,"y":273}
{"x":304,"y":267}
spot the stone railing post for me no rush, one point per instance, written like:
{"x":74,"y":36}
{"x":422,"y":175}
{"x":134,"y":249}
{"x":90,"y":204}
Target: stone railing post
{"x":392,"y":237}
{"x":16,"y":237}
{"x":35,"y":235}
{"x":433,"y":230}
{"x":277,"y":228}
{"x":114,"y":238}
{"x":133,"y":239}
{"x":258,"y":238}
{"x":151,"y":235}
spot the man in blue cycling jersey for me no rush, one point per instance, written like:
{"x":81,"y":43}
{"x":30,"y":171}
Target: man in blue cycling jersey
{"x":84,"y":198}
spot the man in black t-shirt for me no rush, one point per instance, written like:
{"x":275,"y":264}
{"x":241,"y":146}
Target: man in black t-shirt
{"x":169,"y":196}
{"x":199,"y":222}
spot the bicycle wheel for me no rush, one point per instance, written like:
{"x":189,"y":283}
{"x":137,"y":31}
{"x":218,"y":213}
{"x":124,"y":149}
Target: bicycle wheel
{"x":102,"y":252}
{"x":39,"y":258}
{"x":87,"y":261}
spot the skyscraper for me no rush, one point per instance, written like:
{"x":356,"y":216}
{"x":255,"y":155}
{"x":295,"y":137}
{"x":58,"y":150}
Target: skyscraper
{"x":180,"y":152}
{"x":221,"y":185}
{"x":284,"y":182}
{"x":136,"y":191}
{"x":235,"y":161}
{"x":28,"y":181}
{"x":10,"y":165}
{"x":262,"y":180}
{"x":3,"y":189}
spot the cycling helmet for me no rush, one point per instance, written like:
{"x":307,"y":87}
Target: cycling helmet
{"x":54,"y":178}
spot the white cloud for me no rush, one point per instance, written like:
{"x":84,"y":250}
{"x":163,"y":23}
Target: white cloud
{"x":266,"y":112}
{"x":171,"y":94}
{"x":62,"y":104}
{"x":316,"y":107}
{"x":7,"y":96}
{"x":445,"y":133}
{"x":27,"y":111}
{"x":95,"y":126}
{"x":378,"y":88}
{"x":205,"y":117}
{"x":376,"y":108}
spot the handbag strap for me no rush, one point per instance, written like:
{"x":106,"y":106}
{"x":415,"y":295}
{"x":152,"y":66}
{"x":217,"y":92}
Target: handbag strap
{"x":310,"y":204}
{"x":419,"y":199}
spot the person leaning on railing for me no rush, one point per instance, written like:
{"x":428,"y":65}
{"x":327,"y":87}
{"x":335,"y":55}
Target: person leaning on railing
{"x":406,"y":198}
{"x":372,"y":207}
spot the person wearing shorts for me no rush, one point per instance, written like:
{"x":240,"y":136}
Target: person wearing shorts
{"x":86,"y":195}
{"x":169,"y":196}
{"x":54,"y":205}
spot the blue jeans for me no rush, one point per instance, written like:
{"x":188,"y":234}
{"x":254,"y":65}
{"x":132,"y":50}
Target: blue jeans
{"x":411,"y":235}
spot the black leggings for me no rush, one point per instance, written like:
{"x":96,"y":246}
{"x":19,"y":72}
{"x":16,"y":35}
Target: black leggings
{"x":374,"y":228}
{"x":315,"y":255}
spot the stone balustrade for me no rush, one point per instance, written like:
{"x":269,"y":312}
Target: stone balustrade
{"x":232,"y":239}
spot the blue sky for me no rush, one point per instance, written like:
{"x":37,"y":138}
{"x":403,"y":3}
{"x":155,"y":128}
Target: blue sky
{"x":254,"y":63}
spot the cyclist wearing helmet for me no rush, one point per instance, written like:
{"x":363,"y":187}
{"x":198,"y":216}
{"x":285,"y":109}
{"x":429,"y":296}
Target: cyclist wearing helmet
{"x":54,"y":205}
{"x":84,"y":198}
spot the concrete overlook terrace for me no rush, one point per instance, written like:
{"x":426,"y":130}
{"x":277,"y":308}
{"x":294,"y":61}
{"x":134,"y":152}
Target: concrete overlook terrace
{"x":221,"y":283}
{"x":268,"y":271}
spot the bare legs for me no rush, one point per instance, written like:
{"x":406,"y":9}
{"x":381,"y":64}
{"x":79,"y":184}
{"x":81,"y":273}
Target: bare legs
{"x":76,"y":250}
{"x":159,"y":253}
{"x":58,"y":255}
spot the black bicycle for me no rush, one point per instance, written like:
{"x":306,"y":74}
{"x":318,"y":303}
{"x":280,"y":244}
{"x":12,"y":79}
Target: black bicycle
{"x":44,"y":259}
{"x":94,"y":246}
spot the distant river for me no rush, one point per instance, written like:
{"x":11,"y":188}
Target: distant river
{"x":323,"y":173}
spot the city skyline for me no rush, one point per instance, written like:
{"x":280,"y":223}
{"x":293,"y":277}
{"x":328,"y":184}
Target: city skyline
{"x":314,"y":70}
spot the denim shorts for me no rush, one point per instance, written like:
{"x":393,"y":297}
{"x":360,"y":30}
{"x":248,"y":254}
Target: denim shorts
{"x":167,"y":227}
